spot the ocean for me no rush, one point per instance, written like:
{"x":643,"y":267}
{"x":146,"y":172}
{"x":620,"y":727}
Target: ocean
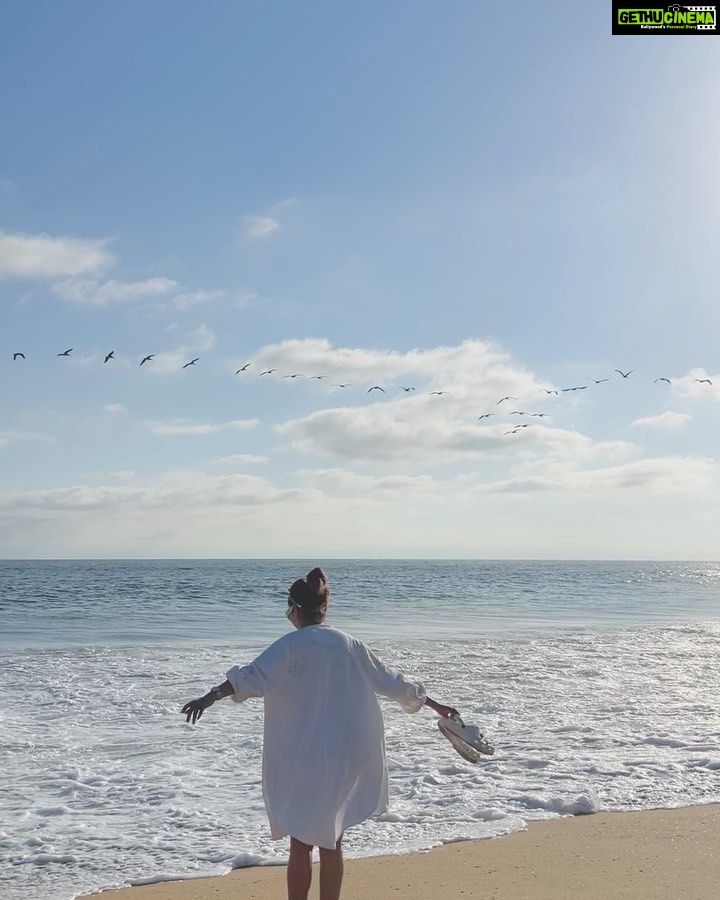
{"x":597,"y":682}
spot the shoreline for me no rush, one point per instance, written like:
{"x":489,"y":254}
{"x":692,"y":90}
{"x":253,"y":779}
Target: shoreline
{"x":639,"y":855}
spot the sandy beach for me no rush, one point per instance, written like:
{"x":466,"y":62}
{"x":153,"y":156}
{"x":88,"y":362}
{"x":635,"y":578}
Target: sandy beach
{"x":660,"y":854}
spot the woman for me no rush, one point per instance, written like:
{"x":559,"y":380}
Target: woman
{"x":324,"y":763}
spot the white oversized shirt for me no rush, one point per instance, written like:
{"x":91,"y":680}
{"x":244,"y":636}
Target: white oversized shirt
{"x":324,"y":763}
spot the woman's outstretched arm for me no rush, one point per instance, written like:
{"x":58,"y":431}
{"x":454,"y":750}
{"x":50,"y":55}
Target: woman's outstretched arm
{"x":243,"y":682}
{"x":386,"y":681}
{"x":195,"y":708}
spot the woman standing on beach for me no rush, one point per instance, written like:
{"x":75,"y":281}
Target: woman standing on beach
{"x":324,"y":763}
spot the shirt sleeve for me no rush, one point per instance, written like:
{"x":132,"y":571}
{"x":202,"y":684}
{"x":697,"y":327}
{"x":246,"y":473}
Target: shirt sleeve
{"x":385,"y":681}
{"x":260,"y":676}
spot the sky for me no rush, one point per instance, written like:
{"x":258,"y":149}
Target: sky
{"x":415,"y":195}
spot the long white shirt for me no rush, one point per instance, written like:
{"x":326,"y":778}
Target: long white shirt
{"x":324,"y":763}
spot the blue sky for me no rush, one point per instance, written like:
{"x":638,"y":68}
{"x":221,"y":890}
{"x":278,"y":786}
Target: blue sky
{"x":396,"y":194}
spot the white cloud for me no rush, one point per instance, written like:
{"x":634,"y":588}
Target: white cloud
{"x":183,"y":427}
{"x":115,"y":408}
{"x":668,"y":420}
{"x":661,"y":475}
{"x":475,"y":370}
{"x":248,"y":298}
{"x":201,"y":340}
{"x":122,"y":475}
{"x":193,"y":298}
{"x":176,"y":490}
{"x":239,"y":459}
{"x":401,"y":426}
{"x":180,"y":514}
{"x":694,"y":386}
{"x":255,"y":227}
{"x":89,"y":292}
{"x":43,"y":256}
{"x":354,"y":483}
{"x":14,"y":437}
{"x":284,"y":204}
{"x":196,"y":514}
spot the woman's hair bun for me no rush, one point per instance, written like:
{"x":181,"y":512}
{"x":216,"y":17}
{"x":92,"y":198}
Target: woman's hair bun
{"x":316,"y":577}
{"x":310,"y":593}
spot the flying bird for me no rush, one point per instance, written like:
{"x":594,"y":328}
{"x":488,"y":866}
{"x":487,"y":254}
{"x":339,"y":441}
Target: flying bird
{"x":243,"y":368}
{"x":111,"y":355}
{"x":550,"y":392}
{"x":582,"y":387}
{"x":317,"y":377}
{"x":485,"y":416}
{"x":296,"y":375}
{"x":191,"y":363}
{"x":519,"y":413}
{"x":624,"y":374}
{"x":505,"y":398}
{"x":437,"y":393}
{"x":147,"y":359}
{"x":16,"y":355}
{"x":407,"y":389}
{"x":540,"y":415}
{"x":342,"y":385}
{"x":268,"y":371}
{"x":517,"y":428}
{"x":599,"y":380}
{"x":702,"y":381}
{"x":375,"y":387}
{"x":66,"y":353}
{"x":662,"y":379}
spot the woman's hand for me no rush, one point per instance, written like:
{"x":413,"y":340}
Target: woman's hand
{"x":447,"y":712}
{"x":195,"y":708}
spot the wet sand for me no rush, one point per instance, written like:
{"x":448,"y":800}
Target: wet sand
{"x":659,"y":854}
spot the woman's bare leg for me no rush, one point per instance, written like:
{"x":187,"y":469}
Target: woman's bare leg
{"x":299,"y":870}
{"x":331,"y":872}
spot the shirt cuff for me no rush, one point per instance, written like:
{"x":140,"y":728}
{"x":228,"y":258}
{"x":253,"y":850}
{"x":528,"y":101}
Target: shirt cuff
{"x":415,"y":697}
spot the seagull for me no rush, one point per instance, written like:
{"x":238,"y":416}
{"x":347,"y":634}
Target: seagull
{"x":540,"y":415}
{"x":296,"y":375}
{"x":582,"y":387}
{"x":317,"y":377}
{"x":268,"y":371}
{"x":111,"y":355}
{"x":485,"y":416}
{"x":66,"y":353}
{"x":505,"y":398}
{"x":191,"y":363}
{"x":147,"y":359}
{"x":342,"y":385}
{"x":702,"y":381}
{"x":407,"y":389}
{"x":599,"y":380}
{"x":624,"y":374}
{"x":437,"y":393}
{"x":519,"y":413}
{"x":376,"y":387}
{"x":517,"y":428}
{"x":662,"y":379}
{"x":550,"y":392}
{"x":243,"y":368}
{"x":16,"y":355}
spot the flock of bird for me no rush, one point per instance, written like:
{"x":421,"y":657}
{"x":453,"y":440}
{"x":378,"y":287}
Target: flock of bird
{"x":376,"y":387}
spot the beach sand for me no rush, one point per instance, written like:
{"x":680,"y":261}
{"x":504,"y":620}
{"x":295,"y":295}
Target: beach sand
{"x":660,"y":854}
